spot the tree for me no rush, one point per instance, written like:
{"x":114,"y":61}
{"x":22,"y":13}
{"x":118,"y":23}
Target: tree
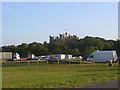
{"x":89,"y":50}
{"x":11,"y":48}
{"x":23,"y":50}
{"x":65,"y":49}
{"x":75,"y":52}
{"x":37,"y":49}
{"x":53,"y":46}
{"x":117,"y":47}
{"x":45,"y":44}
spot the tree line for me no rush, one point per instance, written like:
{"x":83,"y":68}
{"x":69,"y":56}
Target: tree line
{"x":83,"y":47}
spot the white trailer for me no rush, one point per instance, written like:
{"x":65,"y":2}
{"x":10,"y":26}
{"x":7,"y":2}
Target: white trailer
{"x":31,"y":56}
{"x":57,"y":56}
{"x":103,"y":56}
{"x":68,"y":56}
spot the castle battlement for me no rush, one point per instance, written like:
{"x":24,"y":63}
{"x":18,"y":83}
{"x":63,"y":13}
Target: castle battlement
{"x":64,"y":36}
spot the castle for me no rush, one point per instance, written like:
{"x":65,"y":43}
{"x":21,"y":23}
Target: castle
{"x":64,"y":36}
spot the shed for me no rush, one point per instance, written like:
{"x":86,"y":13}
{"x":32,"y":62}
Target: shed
{"x":5,"y":56}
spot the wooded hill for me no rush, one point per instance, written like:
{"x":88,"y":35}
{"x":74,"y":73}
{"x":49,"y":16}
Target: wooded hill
{"x":82,"y":47}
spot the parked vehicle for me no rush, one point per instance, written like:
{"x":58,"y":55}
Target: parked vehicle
{"x":31,"y":56}
{"x":103,"y":56}
{"x":23,"y":59}
{"x":16,"y":56}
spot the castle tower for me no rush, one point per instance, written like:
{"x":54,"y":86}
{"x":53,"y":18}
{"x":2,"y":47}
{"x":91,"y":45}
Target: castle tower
{"x":51,"y":38}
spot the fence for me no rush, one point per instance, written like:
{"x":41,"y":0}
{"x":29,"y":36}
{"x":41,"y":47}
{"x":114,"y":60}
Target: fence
{"x":32,"y":62}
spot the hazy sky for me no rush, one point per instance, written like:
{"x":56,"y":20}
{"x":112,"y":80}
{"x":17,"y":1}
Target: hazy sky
{"x":36,"y":21}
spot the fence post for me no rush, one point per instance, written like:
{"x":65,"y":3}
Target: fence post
{"x":58,"y":61}
{"x":28,"y":63}
{"x":37,"y":62}
{"x":19,"y":62}
{"x":69,"y":62}
{"x":47,"y":61}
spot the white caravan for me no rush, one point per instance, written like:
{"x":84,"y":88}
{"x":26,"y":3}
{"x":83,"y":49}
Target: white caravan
{"x":103,"y":56}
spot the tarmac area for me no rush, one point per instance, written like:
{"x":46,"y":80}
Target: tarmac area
{"x":111,"y":84}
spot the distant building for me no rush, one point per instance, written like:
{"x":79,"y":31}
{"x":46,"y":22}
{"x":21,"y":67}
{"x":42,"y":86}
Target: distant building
{"x":4,"y":56}
{"x":57,"y":56}
{"x":64,"y":36}
{"x":68,"y":56}
{"x":60,"y":56}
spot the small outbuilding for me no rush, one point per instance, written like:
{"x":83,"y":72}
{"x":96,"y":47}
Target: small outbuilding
{"x":68,"y":56}
{"x":4,"y":56}
{"x":57,"y":56}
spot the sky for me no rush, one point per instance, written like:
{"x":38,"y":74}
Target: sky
{"x":27,"y":22}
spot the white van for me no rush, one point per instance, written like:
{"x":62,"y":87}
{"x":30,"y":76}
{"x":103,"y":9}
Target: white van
{"x":103,"y":56}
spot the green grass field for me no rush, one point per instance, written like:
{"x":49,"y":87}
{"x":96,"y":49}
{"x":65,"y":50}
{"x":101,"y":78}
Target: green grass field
{"x":56,"y":75}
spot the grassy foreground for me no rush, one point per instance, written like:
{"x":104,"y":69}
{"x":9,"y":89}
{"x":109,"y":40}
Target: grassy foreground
{"x":57,"y":75}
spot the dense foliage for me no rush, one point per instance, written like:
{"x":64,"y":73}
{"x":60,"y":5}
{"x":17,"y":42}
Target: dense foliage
{"x":82,"y":47}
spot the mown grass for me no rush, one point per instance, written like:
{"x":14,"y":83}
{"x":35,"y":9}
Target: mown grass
{"x":57,"y":75}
